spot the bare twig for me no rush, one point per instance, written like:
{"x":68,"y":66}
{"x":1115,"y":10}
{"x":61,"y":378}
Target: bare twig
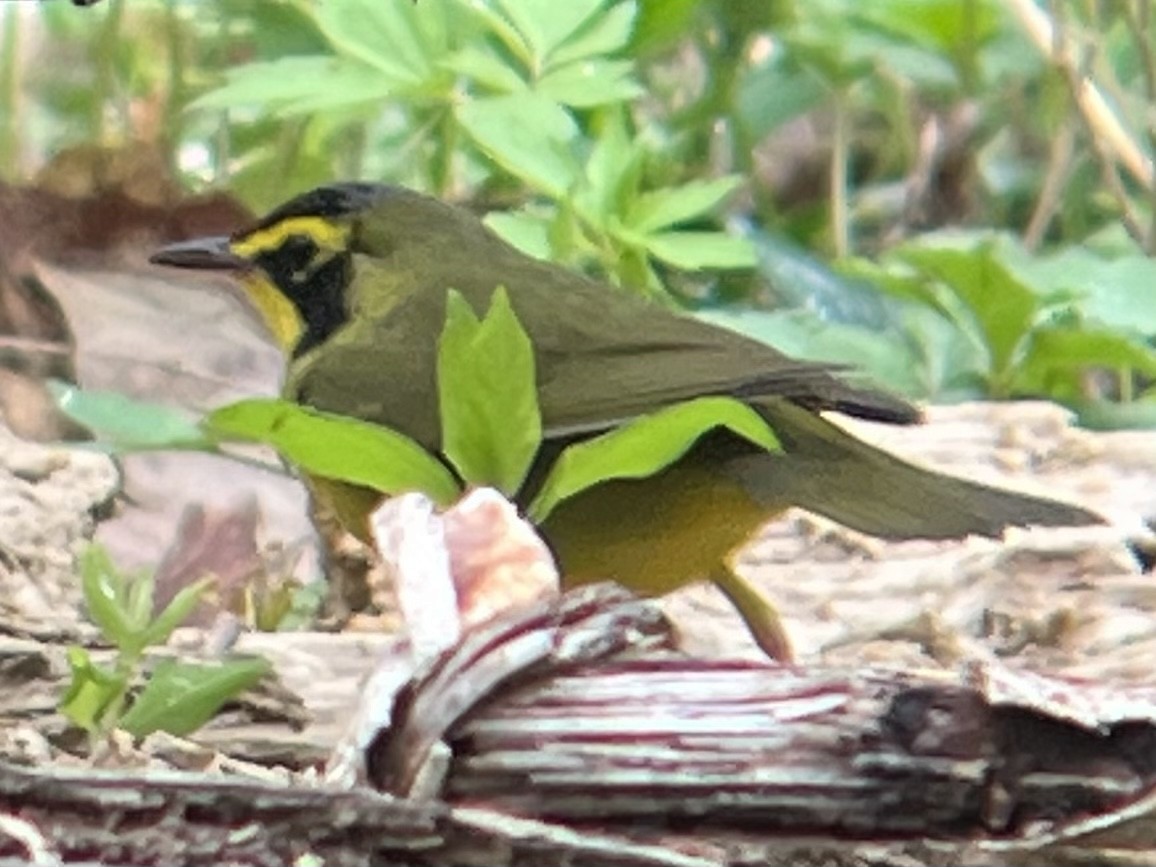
{"x":15,"y":345}
{"x":1113,"y":144}
{"x":1138,"y":14}
{"x":840,"y":223}
{"x":1093,"y":107}
{"x":1051,"y":191}
{"x":1076,"y":74}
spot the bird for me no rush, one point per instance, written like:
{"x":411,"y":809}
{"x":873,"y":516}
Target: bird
{"x":352,"y":280}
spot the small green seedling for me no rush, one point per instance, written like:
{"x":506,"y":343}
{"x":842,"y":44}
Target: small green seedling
{"x":176,"y":697}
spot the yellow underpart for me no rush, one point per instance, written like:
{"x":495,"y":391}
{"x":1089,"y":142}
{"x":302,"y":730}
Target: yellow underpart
{"x":324,"y":233}
{"x":277,"y":311}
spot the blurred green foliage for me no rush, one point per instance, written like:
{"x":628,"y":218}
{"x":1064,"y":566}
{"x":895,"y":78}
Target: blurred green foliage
{"x":912,"y":180}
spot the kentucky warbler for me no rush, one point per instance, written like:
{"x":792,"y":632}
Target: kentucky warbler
{"x":352,"y":279}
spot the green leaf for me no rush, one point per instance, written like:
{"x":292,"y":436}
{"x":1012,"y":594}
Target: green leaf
{"x":528,"y":135}
{"x":945,"y":26}
{"x":775,"y":92}
{"x":797,"y":277}
{"x":181,"y":697}
{"x":279,"y":29}
{"x":176,"y":612}
{"x":91,"y":690}
{"x":1119,"y":292}
{"x":1122,"y":294}
{"x":1057,"y":358}
{"x":1069,"y":347}
{"x":139,"y":606}
{"x":485,"y":67}
{"x":336,"y":447}
{"x":644,"y":447}
{"x":487,"y":394}
{"x":1109,"y":415}
{"x":499,"y":25}
{"x":125,"y":424}
{"x":611,"y":173}
{"x":903,"y":286}
{"x":662,"y":23}
{"x":661,"y":209}
{"x":606,"y":33}
{"x":106,"y":596}
{"x":299,"y":85}
{"x":567,"y":235}
{"x":528,"y":232}
{"x":546,"y":24}
{"x":388,"y":37}
{"x":695,"y":250}
{"x":1003,"y":307}
{"x":590,"y":83}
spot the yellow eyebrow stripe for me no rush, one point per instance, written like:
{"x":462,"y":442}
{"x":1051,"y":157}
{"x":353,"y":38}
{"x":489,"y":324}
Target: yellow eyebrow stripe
{"x":325,"y":234}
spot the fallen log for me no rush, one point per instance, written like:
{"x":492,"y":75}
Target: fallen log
{"x":572,"y":733}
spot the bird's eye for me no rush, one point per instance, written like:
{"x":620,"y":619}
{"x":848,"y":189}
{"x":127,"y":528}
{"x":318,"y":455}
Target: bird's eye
{"x":297,"y":253}
{"x":290,"y":264}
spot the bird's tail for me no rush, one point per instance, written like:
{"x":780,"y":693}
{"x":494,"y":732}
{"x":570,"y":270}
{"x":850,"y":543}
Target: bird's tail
{"x":828,"y":471}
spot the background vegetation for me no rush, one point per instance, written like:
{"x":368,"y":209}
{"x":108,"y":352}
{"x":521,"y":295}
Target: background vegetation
{"x":954,"y":195}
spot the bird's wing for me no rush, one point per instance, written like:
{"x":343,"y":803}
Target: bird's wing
{"x":604,"y":357}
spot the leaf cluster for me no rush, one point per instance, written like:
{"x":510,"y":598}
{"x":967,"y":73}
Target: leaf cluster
{"x":176,"y":697}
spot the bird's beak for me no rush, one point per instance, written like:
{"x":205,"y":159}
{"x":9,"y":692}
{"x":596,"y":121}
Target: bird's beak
{"x":212,"y":253}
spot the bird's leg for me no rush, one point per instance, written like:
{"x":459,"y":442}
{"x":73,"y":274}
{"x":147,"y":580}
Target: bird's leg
{"x":759,"y":614}
{"x":347,"y":559}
